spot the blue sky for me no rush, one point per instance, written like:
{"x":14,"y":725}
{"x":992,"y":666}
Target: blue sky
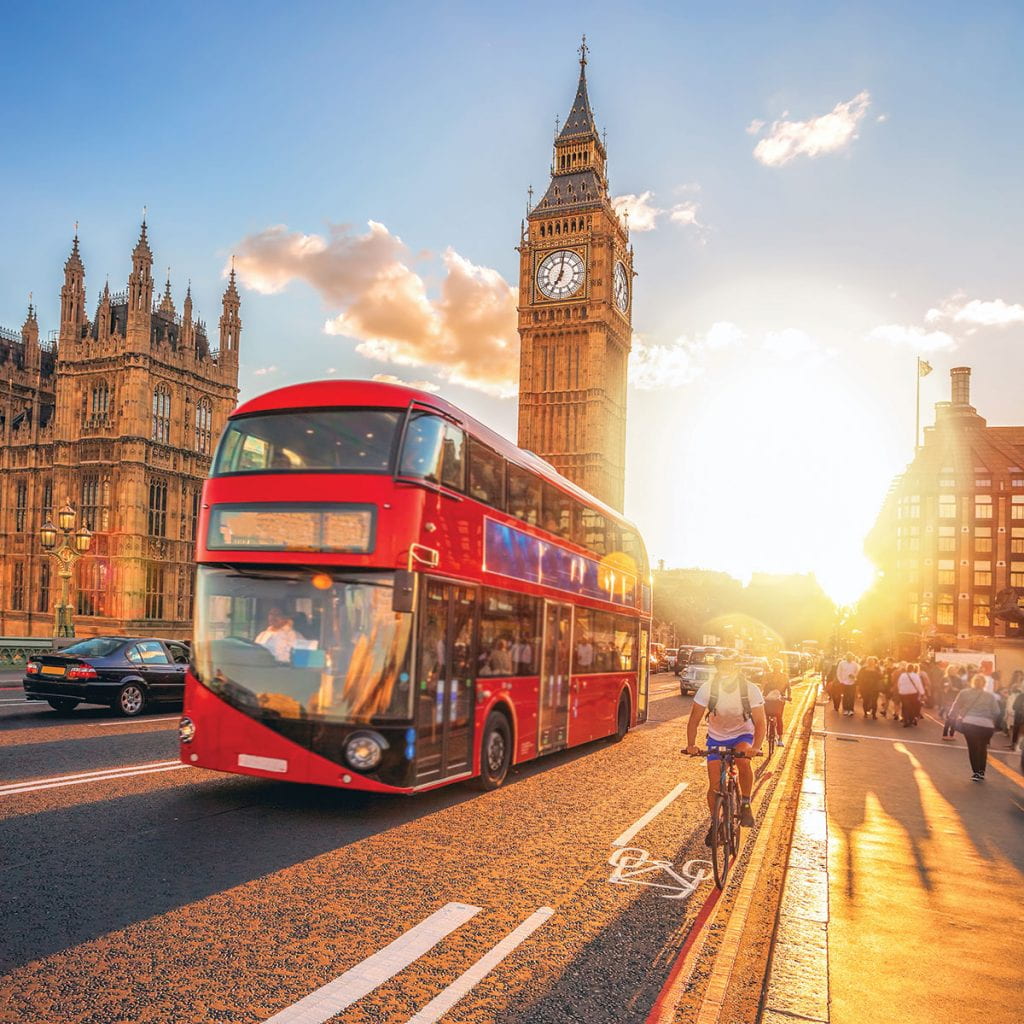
{"x":432,"y":120}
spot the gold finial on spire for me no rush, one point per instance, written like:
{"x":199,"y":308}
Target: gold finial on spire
{"x":145,"y":209}
{"x":583,"y":51}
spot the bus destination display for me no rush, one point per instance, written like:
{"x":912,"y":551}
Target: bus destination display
{"x":345,"y":528}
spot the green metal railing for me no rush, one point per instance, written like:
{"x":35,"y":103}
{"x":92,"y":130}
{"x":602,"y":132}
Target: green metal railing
{"x":16,"y":650}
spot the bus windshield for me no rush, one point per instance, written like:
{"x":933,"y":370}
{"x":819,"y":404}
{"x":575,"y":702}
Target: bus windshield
{"x":338,"y":440}
{"x":308,"y":645}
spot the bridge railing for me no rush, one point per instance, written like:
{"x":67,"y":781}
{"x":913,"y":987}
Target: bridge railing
{"x":16,"y":650}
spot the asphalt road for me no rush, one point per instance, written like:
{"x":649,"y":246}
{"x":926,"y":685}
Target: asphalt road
{"x":153,"y":893}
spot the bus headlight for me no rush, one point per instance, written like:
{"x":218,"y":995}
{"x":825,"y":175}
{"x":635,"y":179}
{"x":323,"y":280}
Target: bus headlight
{"x":186,"y":730}
{"x":364,"y":751}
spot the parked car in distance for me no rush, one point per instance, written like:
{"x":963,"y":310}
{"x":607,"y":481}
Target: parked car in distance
{"x":796,"y":662}
{"x":670,"y":658}
{"x":127,"y":674}
{"x":683,"y":657}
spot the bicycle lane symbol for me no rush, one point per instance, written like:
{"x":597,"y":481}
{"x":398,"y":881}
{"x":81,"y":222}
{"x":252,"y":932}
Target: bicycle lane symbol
{"x":635,"y":866}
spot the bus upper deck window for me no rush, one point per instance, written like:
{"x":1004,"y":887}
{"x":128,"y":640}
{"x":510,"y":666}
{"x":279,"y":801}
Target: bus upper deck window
{"x":421,"y":453}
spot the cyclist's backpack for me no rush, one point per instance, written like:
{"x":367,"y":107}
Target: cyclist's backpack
{"x":744,"y":697}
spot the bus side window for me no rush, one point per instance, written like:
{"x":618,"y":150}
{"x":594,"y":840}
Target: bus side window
{"x":486,"y":474}
{"x":523,"y":495}
{"x":594,"y":532}
{"x":453,"y":459}
{"x":421,"y":453}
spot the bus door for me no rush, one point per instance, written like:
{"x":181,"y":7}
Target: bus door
{"x":445,"y":681}
{"x":553,"y":719}
{"x":642,"y":680}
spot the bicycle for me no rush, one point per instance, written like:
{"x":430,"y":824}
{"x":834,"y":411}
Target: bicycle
{"x":725,"y":815}
{"x":771,"y":736}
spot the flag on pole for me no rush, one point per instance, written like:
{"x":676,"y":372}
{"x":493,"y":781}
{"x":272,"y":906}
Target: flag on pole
{"x":923,"y":367}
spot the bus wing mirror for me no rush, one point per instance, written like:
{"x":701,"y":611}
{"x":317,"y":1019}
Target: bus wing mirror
{"x":403,"y":597}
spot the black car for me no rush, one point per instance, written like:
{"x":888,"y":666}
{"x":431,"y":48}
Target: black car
{"x":125,"y":673}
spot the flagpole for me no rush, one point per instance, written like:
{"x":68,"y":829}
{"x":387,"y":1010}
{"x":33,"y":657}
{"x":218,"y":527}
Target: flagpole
{"x":917,"y":417}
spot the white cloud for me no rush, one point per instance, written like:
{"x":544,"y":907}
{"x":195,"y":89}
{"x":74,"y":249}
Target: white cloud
{"x":722,"y":335}
{"x":685,"y":214}
{"x":916,"y":338}
{"x":881,"y":119}
{"x":755,"y":126}
{"x":467,"y":333}
{"x":264,"y":370}
{"x":661,"y":367}
{"x":642,"y":213}
{"x":420,"y":385}
{"x":977,"y":312}
{"x":827,"y":133}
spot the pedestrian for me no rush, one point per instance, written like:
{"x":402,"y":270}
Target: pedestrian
{"x":885,"y":687}
{"x":869,"y":682}
{"x":950,"y":688}
{"x":846,"y":677}
{"x":911,"y":690}
{"x":974,"y":714}
{"x":935,"y":680}
{"x":832,"y":686}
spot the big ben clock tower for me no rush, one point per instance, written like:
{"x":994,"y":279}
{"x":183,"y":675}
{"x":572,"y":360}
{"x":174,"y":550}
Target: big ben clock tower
{"x":575,"y":313}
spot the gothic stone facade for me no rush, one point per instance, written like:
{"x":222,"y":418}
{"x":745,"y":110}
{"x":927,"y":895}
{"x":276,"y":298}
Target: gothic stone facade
{"x":950,"y":535}
{"x":117,"y":415}
{"x":575,"y":311}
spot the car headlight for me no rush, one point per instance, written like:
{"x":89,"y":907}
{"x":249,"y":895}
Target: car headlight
{"x":364,"y":751}
{"x":186,"y":730}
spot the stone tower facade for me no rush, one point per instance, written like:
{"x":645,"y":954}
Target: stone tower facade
{"x":118,"y":415}
{"x":575,"y":314}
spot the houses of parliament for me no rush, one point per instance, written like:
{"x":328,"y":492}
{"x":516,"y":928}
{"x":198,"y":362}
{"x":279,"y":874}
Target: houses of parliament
{"x":117,"y":415}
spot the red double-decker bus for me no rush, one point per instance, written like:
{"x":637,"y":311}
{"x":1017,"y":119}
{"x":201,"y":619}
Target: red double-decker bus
{"x":391,"y":597}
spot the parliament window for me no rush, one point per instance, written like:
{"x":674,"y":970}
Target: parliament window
{"x":154,"y":591}
{"x":95,"y":504}
{"x":18,"y":587}
{"x":21,"y":506}
{"x":91,"y":589}
{"x":204,"y":420}
{"x":100,"y":401}
{"x":981,"y":609}
{"x":157,"y":518}
{"x":44,"y":587}
{"x":982,"y":539}
{"x":983,"y":574}
{"x":162,"y":414}
{"x":983,"y":506}
{"x":47,"y":505}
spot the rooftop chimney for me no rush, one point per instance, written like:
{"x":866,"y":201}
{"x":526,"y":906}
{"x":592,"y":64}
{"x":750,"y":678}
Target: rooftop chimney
{"x":960,"y":378}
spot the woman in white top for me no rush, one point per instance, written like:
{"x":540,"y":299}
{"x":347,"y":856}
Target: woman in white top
{"x":911,"y":691}
{"x":974,"y":713}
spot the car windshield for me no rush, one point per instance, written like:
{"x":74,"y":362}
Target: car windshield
{"x":96,"y":647}
{"x":702,"y":658}
{"x":342,"y":440}
{"x":303,"y":645}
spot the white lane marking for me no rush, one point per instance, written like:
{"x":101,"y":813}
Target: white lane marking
{"x":22,"y":701}
{"x":903,"y":739}
{"x":335,"y":996}
{"x":77,"y":777}
{"x":649,"y":816}
{"x":100,"y":778}
{"x":445,"y":1000}
{"x":128,"y":721}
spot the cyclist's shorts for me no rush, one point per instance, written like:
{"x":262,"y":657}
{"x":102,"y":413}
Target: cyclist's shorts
{"x":747,"y":737}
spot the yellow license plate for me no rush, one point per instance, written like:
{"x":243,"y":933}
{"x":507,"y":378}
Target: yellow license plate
{"x":53,"y":670}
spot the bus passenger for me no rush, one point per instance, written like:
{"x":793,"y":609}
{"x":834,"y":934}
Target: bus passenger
{"x":279,"y":637}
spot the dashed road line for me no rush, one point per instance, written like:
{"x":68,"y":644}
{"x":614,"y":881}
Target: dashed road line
{"x":445,"y":1000}
{"x":130,"y":721}
{"x":358,"y":981}
{"x":81,"y":778}
{"x":626,"y":836}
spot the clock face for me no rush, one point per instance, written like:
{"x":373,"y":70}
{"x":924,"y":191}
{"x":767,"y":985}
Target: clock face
{"x":620,"y":287}
{"x":560,"y":274}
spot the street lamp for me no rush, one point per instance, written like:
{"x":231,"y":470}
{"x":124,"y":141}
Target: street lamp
{"x":72,"y":545}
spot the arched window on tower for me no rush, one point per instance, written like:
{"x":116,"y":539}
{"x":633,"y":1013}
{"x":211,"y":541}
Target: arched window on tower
{"x":162,"y":414}
{"x":100,"y":408}
{"x":204,"y":419}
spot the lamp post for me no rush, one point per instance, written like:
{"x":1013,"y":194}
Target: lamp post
{"x":66,"y":545}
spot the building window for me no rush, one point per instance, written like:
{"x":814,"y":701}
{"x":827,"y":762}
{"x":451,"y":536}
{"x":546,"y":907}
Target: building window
{"x":44,"y":587}
{"x":1017,"y":506}
{"x":1017,"y":540}
{"x":910,"y":506}
{"x":983,"y":482}
{"x":91,"y":591}
{"x":944,"y":610}
{"x":21,"y":506}
{"x":95,"y":505}
{"x":154,"y":591}
{"x":1017,"y":574}
{"x":947,"y":481}
{"x":947,"y":572}
{"x":18,"y":587}
{"x":981,"y":608}
{"x":947,"y":538}
{"x":157,"y":519}
{"x":47,"y":500}
{"x":185,"y":598}
{"x":162,"y":414}
{"x":100,"y":402}
{"x":912,"y":612}
{"x":982,"y":539}
{"x":1017,"y":481}
{"x":947,"y":506}
{"x":983,"y":506}
{"x":204,"y":421}
{"x":983,"y":574}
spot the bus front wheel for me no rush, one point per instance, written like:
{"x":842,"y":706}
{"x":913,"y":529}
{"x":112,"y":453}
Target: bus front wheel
{"x":622,"y":720}
{"x":495,"y":752}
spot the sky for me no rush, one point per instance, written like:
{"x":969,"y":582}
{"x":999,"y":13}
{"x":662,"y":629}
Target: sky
{"x":816,"y":198}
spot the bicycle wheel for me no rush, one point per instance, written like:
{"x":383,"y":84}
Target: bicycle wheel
{"x":721,"y":846}
{"x":734,"y":822}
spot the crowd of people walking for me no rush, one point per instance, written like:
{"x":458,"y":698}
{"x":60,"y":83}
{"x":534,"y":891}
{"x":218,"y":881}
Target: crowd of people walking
{"x":974,"y":703}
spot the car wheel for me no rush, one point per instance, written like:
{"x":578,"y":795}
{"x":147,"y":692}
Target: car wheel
{"x":130,"y":700}
{"x":621,"y":720}
{"x":62,"y":705}
{"x":495,"y":752}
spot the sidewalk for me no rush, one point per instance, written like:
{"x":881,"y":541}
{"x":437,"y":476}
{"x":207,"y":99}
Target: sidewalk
{"x":923,"y":870}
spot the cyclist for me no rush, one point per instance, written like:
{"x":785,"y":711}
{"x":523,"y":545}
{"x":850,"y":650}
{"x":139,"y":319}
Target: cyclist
{"x":735,"y":713}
